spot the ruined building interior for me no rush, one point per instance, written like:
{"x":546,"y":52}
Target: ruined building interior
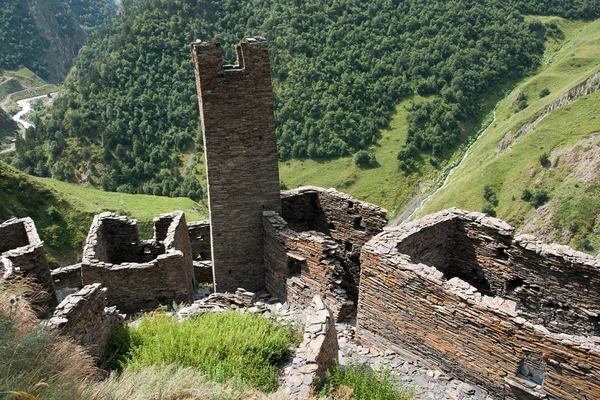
{"x":456,"y":289}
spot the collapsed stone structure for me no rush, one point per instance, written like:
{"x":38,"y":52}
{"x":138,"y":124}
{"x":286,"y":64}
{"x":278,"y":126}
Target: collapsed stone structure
{"x":138,"y":274}
{"x":509,"y":313}
{"x":456,"y":289}
{"x":313,"y":247}
{"x":84,"y":317}
{"x":22,"y":254}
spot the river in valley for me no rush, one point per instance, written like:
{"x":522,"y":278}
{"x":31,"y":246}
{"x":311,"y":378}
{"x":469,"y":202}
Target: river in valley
{"x":26,"y":105}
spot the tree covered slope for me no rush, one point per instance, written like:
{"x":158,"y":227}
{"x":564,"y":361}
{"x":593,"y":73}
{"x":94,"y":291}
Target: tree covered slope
{"x":339,"y":69}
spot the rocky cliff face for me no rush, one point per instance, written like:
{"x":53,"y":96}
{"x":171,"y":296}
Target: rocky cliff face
{"x":57,"y":25}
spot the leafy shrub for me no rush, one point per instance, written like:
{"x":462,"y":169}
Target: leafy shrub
{"x":545,"y":92}
{"x":364,"y":384}
{"x":490,"y":195}
{"x":537,"y":198}
{"x":526,"y":195}
{"x":544,"y":160}
{"x":364,"y":159}
{"x":223,"y":346}
{"x":488,"y":209}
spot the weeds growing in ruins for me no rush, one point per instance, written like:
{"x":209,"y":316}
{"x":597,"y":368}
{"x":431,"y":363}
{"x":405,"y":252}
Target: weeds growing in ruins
{"x":359,"y":382}
{"x":34,"y":361}
{"x":245,"y":348}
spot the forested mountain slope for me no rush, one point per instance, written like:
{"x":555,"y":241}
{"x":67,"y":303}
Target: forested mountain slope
{"x":538,"y":166}
{"x":46,"y":35}
{"x":339,"y":69}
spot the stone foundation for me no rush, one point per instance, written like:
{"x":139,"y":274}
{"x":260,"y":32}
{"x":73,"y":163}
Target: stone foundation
{"x":22,"y":254}
{"x":83,"y":317}
{"x":138,"y":274}
{"x":459,"y":290}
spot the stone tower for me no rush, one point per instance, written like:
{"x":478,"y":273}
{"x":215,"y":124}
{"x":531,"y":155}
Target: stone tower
{"x":238,"y":125}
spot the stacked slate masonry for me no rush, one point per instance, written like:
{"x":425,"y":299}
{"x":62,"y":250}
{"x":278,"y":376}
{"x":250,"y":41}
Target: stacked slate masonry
{"x":240,"y":147}
{"x":313,"y":248}
{"x":509,"y":313}
{"x":22,"y":255}
{"x":138,"y":274}
{"x":84,"y":317}
{"x":201,"y":252}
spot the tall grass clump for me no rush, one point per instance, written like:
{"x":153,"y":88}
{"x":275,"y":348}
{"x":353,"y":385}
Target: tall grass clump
{"x":171,"y":382}
{"x":359,"y":382}
{"x":222,"y":346}
{"x":34,"y":361}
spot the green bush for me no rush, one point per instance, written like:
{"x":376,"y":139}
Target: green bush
{"x":489,"y":209}
{"x":364,"y":159}
{"x":545,"y":92}
{"x":364,"y":383}
{"x":537,"y":198}
{"x":490,"y":195}
{"x":544,"y":160}
{"x":223,"y":346}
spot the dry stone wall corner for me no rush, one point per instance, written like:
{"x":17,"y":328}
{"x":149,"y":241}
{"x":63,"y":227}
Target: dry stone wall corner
{"x":22,"y":255}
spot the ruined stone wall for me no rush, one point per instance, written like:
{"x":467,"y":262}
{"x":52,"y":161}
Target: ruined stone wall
{"x":151,"y":278}
{"x":200,"y":240}
{"x":178,"y":239}
{"x":486,"y":335}
{"x":238,"y":125}
{"x":199,"y":233}
{"x":348,"y":221}
{"x":134,"y":286}
{"x":28,"y":260}
{"x":67,"y":280}
{"x":302,"y":265}
{"x":83,"y":316}
{"x":13,"y":235}
{"x":553,"y":285}
{"x":318,"y":352}
{"x":112,"y":238}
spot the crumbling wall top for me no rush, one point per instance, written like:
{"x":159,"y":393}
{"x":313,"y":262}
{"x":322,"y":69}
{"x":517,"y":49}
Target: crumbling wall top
{"x":17,"y":233}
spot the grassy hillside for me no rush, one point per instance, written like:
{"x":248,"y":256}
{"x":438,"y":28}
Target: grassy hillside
{"x":556,"y":162}
{"x":63,"y":212}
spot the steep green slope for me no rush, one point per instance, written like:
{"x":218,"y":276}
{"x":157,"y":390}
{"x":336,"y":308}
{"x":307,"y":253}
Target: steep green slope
{"x":555,"y":162}
{"x":63,"y":212}
{"x":339,"y":71}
